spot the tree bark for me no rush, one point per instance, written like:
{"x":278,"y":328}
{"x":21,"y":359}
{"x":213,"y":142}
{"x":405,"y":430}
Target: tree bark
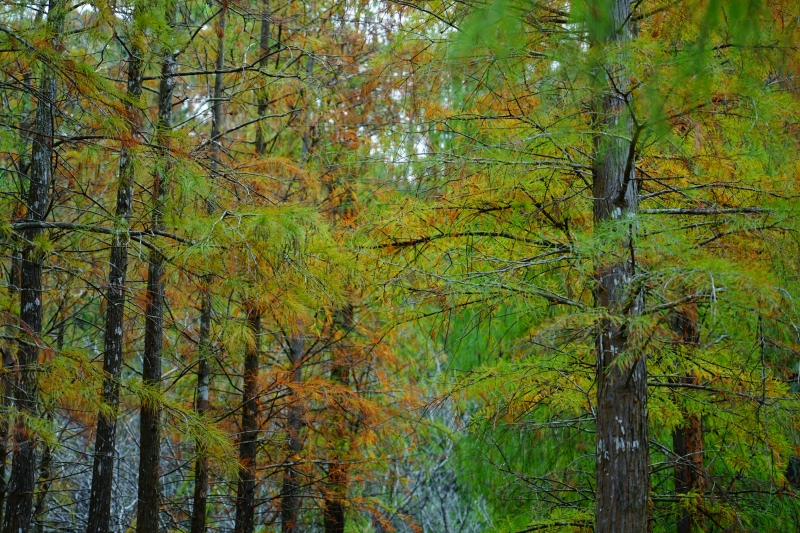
{"x":19,"y":506}
{"x":105,"y":438}
{"x":622,"y":454}
{"x":263,"y":97}
{"x":333,"y":504}
{"x":201,"y":406}
{"x":7,"y":390}
{"x":290,"y":489}
{"x":147,"y":512}
{"x":46,"y":477}
{"x":334,"y":496}
{"x":206,"y":308}
{"x":246,"y":488}
{"x":687,"y":441}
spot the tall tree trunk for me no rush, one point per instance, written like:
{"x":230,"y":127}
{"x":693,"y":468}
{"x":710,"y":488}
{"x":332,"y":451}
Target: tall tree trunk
{"x":333,"y":503}
{"x":46,"y":477}
{"x":105,"y":438}
{"x":307,"y":138}
{"x":7,"y":384}
{"x":687,"y":441}
{"x":622,"y":451}
{"x":336,"y":492}
{"x":147,"y":512}
{"x":248,"y":437}
{"x":14,"y":283}
{"x":206,"y":308}
{"x":201,"y":406}
{"x":263,"y":97}
{"x":19,"y":507}
{"x":290,"y":489}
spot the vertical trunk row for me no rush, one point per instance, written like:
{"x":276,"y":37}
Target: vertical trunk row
{"x":687,"y":441}
{"x":290,"y":489}
{"x":19,"y":507}
{"x":206,"y":308}
{"x":105,"y":438}
{"x":622,"y":454}
{"x":248,"y":437}
{"x":150,"y":417}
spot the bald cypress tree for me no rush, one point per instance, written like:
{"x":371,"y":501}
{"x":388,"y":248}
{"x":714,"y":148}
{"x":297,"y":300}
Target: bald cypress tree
{"x":19,"y":503}
{"x":105,"y":439}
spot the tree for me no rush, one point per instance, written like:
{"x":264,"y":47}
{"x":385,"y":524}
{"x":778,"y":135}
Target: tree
{"x":622,"y":451}
{"x":149,"y":503}
{"x":105,"y":439}
{"x":19,"y":504}
{"x":556,"y":180}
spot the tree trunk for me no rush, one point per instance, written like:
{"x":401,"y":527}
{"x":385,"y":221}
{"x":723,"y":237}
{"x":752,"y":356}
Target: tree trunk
{"x":7,"y":391}
{"x":201,"y":406}
{"x":105,"y":439}
{"x":206,"y":308}
{"x":19,"y":507}
{"x":290,"y":489}
{"x":46,"y":479}
{"x":687,"y":441}
{"x":335,"y":494}
{"x":333,"y":504}
{"x":246,"y":489}
{"x":149,"y":503}
{"x":263,"y":97}
{"x":622,"y":452}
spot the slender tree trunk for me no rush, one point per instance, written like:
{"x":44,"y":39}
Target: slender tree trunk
{"x":147,"y":512}
{"x":201,"y":406}
{"x":248,"y":437}
{"x":14,"y":283}
{"x":263,"y":97}
{"x":19,"y":507}
{"x":105,"y":438}
{"x":7,"y":391}
{"x":290,"y":489}
{"x":687,"y":441}
{"x":206,"y":308}
{"x":307,"y":137}
{"x":46,"y":477}
{"x":333,"y":504}
{"x":622,"y":451}
{"x":336,"y":492}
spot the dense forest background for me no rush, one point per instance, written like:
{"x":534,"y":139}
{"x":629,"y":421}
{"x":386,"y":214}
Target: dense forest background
{"x":363,"y":266}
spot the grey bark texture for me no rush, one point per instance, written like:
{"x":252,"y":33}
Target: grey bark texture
{"x":201,"y":479}
{"x":147,"y":511}
{"x":622,"y":448}
{"x":248,"y":436}
{"x":105,"y":438}
{"x":19,"y":503}
{"x":290,"y":488}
